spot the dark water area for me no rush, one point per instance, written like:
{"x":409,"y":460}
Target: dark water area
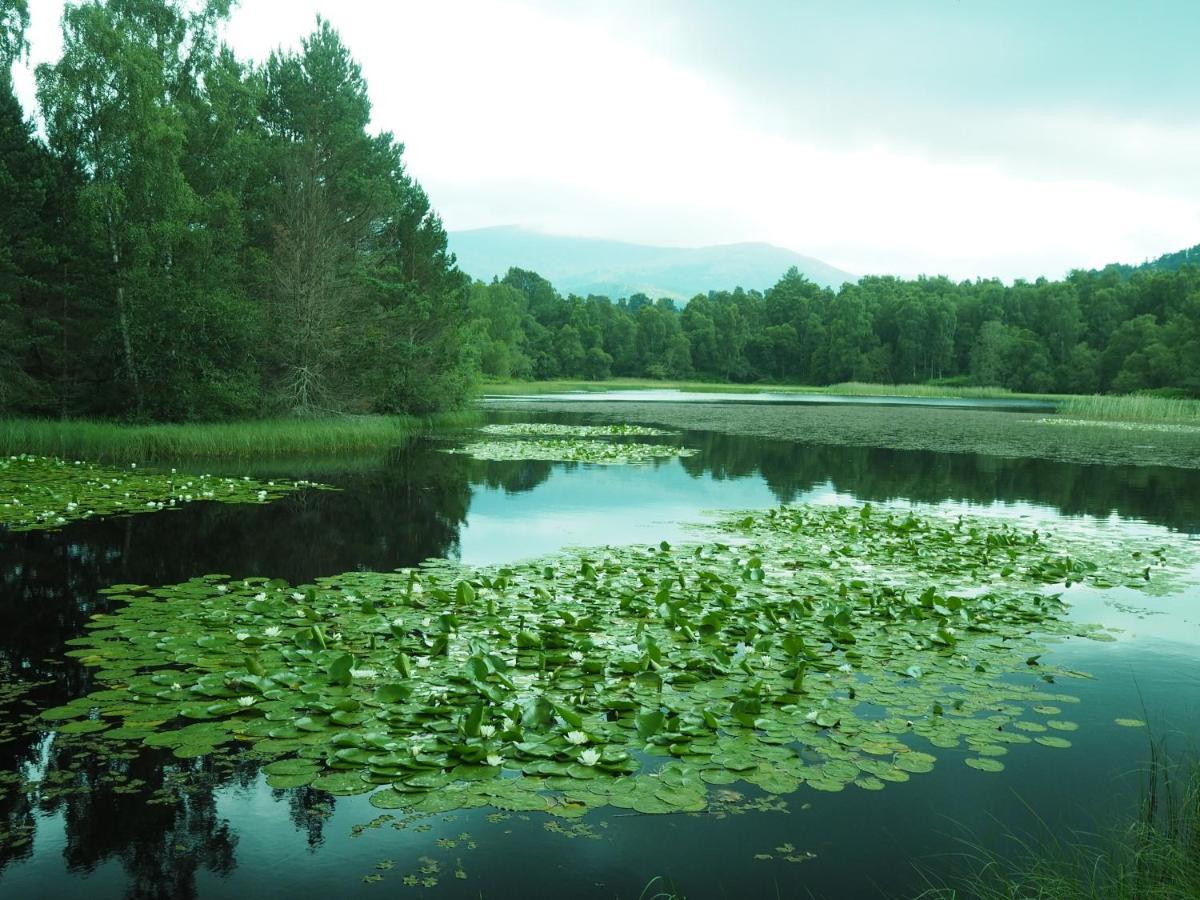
{"x":90,"y":827}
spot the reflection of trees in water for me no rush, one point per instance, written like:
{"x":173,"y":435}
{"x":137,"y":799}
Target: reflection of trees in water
{"x":1164,"y":496}
{"x":409,"y":507}
{"x":511,"y":476}
{"x":154,"y":814}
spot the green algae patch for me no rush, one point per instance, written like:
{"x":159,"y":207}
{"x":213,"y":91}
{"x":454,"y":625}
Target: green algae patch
{"x":43,"y":493}
{"x":538,"y":429}
{"x":834,"y":647}
{"x":571,"y":450}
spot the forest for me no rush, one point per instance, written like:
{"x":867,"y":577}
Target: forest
{"x":191,"y":236}
{"x":198,"y":237}
{"x":1116,"y":330}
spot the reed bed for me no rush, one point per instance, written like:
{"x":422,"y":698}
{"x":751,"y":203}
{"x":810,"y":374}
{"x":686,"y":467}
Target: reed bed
{"x":1132,"y":408}
{"x":99,"y":441}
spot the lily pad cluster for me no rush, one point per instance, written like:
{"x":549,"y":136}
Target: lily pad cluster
{"x":1164,"y":427}
{"x":43,"y":493}
{"x":572,"y":450}
{"x":819,"y":646}
{"x":543,"y":429}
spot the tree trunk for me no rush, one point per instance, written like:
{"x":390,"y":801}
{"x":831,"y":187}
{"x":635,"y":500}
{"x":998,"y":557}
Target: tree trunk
{"x":123,"y":322}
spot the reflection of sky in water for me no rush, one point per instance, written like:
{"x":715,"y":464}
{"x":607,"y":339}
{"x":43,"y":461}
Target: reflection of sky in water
{"x":588,"y":505}
{"x":1148,"y":671}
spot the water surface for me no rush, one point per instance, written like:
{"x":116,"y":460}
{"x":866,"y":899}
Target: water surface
{"x":235,"y":836}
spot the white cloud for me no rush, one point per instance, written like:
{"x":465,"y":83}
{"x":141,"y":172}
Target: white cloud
{"x":576,"y":124}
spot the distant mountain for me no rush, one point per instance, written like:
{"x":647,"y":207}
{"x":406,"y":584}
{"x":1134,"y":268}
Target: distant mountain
{"x":617,"y":269}
{"x":1168,"y":262}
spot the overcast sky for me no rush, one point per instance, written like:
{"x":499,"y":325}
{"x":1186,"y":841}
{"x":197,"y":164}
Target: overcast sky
{"x":963,"y":137}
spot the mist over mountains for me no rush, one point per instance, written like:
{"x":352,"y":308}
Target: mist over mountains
{"x":619,"y":269}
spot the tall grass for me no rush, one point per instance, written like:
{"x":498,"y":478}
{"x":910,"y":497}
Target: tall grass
{"x":855,"y":388}
{"x":114,"y":442}
{"x":1154,"y":857}
{"x":862,"y":389}
{"x":1132,"y":408}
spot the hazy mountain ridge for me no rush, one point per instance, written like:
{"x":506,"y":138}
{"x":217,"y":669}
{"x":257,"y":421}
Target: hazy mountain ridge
{"x":618,"y":269}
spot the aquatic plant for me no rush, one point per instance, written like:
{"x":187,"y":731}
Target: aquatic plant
{"x":523,"y":429}
{"x":267,"y":438}
{"x":39,"y":492}
{"x":1132,"y":408}
{"x":571,"y":450}
{"x":564,"y":684}
{"x":1155,"y":855}
{"x":1121,"y":425}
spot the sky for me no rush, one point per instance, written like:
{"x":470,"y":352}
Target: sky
{"x":970,"y":138}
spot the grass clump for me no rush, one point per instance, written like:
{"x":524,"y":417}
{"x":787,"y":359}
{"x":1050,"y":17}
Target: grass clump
{"x":1155,"y":857}
{"x":116,"y":442}
{"x":1132,"y":408}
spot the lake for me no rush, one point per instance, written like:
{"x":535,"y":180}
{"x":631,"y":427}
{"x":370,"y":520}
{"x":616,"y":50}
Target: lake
{"x":143,"y":823}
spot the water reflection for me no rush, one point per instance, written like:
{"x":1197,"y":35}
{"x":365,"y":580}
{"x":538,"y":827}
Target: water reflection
{"x":94,"y":810}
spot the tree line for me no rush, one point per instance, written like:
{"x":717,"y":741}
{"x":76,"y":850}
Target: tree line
{"x":195,"y":236}
{"x":1117,"y":329}
{"x":190,"y":235}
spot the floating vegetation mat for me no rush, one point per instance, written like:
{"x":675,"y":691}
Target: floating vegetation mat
{"x":817,"y":645}
{"x":1167,"y":427}
{"x":572,"y":450}
{"x":42,"y":492}
{"x":524,"y":429}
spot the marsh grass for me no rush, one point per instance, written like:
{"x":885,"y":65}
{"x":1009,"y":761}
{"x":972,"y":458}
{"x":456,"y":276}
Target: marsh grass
{"x":1132,"y":408}
{"x":1154,"y":857}
{"x":849,"y":388}
{"x":268,"y":438}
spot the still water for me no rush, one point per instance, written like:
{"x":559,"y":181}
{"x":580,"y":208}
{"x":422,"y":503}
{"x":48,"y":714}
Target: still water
{"x":232,"y":835}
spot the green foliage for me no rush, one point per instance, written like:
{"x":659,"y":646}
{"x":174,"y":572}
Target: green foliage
{"x":200,"y":238}
{"x":1092,"y":332}
{"x":259,"y":439}
{"x":623,"y":676}
{"x":39,"y":493}
{"x":1154,"y":856}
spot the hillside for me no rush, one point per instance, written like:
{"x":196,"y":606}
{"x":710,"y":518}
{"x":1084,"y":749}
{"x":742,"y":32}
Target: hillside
{"x":1168,"y":262}
{"x":617,"y":269}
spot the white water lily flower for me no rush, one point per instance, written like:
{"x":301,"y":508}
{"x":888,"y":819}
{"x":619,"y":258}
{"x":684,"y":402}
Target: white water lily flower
{"x":507,"y":723}
{"x":260,"y":596}
{"x":350,"y":598}
{"x":242,"y":635}
{"x":176,"y":686}
{"x":363,"y":673}
{"x":846,"y":667}
{"x":272,"y":631}
{"x":422,"y":662}
{"x":246,"y":701}
{"x":765,"y":661}
{"x":416,"y":588}
{"x":486,"y":731}
{"x":575,"y":656}
{"x":222,"y":589}
{"x":589,"y":757}
{"x":494,"y":759}
{"x":297,"y":596}
{"x":576,"y":737}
